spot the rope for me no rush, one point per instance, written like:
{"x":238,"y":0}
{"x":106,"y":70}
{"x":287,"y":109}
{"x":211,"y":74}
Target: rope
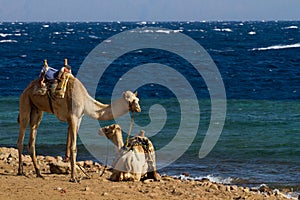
{"x":85,"y":173}
{"x":106,"y":160}
{"x":50,"y":101}
{"x":130,"y":128}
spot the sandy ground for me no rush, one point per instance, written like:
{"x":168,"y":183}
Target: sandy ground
{"x":57,"y":186}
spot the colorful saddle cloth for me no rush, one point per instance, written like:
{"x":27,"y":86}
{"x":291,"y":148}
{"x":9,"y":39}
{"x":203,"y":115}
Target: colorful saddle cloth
{"x":51,"y":74}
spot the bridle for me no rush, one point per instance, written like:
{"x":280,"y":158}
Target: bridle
{"x":131,"y":105}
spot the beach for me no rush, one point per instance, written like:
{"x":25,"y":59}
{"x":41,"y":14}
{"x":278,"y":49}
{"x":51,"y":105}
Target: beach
{"x":57,"y":186}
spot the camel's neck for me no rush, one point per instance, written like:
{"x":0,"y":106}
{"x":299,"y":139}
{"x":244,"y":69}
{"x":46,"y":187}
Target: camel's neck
{"x":99,"y":111}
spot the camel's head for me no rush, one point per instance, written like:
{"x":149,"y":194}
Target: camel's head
{"x":113,"y":133}
{"x":132,"y":100}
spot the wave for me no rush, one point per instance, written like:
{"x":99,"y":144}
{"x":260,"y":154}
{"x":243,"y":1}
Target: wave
{"x":5,"y":34}
{"x":252,"y":33}
{"x":290,"y":27}
{"x":277,"y":47}
{"x":223,"y":29}
{"x":7,"y":41}
{"x":211,"y":178}
{"x":156,"y":31}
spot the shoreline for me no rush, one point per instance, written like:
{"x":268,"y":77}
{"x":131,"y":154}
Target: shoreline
{"x":57,"y":185}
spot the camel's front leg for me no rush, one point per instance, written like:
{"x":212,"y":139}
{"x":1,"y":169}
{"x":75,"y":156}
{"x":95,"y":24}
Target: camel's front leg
{"x":72,"y":132}
{"x":68,"y":145}
{"x":35,"y":119}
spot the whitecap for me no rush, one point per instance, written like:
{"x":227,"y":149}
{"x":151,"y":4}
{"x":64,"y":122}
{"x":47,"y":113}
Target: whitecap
{"x":163,"y":31}
{"x":93,"y":37}
{"x":277,"y":47}
{"x":211,"y":178}
{"x":291,"y":27}
{"x":46,"y":25}
{"x":227,"y":30}
{"x":57,"y":33}
{"x":5,"y":34}
{"x":8,"y":41}
{"x":223,"y":29}
{"x":142,"y":23}
{"x":168,"y":31}
{"x":252,"y":33}
{"x":17,"y":34}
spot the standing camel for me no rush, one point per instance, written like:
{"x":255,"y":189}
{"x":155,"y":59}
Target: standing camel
{"x":76,"y":103}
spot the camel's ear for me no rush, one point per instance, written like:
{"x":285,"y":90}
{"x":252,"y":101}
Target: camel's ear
{"x":135,"y":93}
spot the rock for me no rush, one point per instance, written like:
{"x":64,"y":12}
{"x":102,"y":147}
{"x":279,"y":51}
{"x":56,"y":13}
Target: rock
{"x":263,"y":188}
{"x":60,"y":167}
{"x":104,"y":194}
{"x":87,"y":188}
{"x":214,"y":187}
{"x":246,"y":190}
{"x":167,"y":178}
{"x":88,"y":163}
{"x":50,"y":159}
{"x":234,"y":187}
{"x":148,"y":180}
{"x":59,"y":158}
{"x":80,"y":163}
{"x":222,"y":187}
{"x":228,"y":188}
{"x":204,"y":179}
{"x":186,"y":174}
{"x":254,"y":189}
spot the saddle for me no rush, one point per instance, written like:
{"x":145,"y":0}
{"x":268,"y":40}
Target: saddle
{"x":52,"y":81}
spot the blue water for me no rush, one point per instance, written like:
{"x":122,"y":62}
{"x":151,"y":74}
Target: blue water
{"x":259,"y":64}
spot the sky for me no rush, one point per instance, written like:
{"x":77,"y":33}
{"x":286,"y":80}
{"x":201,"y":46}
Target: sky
{"x":148,"y":10}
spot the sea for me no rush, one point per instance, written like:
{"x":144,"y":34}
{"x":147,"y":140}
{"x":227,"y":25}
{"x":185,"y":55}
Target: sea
{"x":258,"y":63}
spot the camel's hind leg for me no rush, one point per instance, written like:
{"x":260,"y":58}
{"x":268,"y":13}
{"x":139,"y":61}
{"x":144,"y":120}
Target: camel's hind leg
{"x":23,"y":120}
{"x":35,"y":119}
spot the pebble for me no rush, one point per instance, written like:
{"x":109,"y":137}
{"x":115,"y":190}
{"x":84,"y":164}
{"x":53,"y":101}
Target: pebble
{"x":234,"y":187}
{"x":263,"y":188}
{"x":88,"y":163}
{"x":104,"y":194}
{"x":214,"y":187}
{"x":148,"y":180}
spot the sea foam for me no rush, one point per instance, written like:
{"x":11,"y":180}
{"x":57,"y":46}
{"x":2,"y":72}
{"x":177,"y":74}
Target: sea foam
{"x":277,"y":47}
{"x":291,"y":27}
{"x":8,"y":41}
{"x":214,"y":179}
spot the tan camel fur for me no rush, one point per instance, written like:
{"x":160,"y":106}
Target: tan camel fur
{"x":134,"y":162}
{"x":76,"y":103}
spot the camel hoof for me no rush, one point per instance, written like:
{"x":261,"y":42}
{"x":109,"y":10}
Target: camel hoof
{"x":20,"y":174}
{"x":40,"y":176}
{"x":73,"y":180}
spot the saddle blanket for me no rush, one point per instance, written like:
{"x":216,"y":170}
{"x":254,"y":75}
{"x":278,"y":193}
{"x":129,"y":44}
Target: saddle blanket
{"x":51,"y":74}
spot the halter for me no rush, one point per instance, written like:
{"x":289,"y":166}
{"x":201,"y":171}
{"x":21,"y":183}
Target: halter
{"x":130,"y":127}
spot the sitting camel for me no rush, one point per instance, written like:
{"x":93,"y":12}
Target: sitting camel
{"x":133,"y":162}
{"x":76,"y":103}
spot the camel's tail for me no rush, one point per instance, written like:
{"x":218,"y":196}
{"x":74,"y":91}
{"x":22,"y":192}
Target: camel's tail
{"x":19,"y":118}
